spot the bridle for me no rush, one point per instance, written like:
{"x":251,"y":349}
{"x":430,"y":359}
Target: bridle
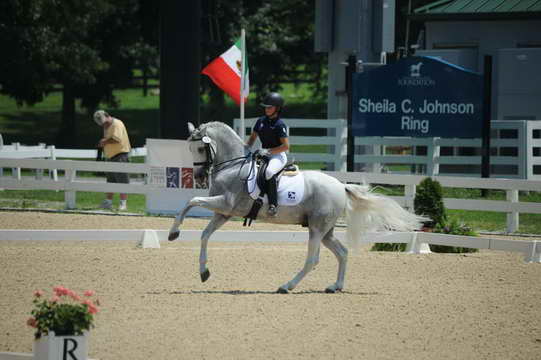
{"x":210,"y":154}
{"x":209,"y":150}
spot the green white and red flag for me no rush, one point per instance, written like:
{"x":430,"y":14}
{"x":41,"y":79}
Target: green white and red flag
{"x":225,"y":72}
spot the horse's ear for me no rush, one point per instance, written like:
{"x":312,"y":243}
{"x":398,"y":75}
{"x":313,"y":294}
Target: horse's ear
{"x":191,"y":128}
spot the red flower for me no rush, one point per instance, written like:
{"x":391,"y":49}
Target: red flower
{"x":32,"y":322}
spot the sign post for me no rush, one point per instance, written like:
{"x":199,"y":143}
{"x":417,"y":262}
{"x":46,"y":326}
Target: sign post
{"x":350,"y":70}
{"x":487,"y":102}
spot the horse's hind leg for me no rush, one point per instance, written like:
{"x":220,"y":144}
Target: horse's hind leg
{"x":215,"y":223}
{"x":312,"y":258}
{"x":341,"y":254}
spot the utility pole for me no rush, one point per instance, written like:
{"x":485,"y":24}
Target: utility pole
{"x":180,"y":65}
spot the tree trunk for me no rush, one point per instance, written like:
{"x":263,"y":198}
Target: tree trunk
{"x":145,"y":82}
{"x":68,"y":131}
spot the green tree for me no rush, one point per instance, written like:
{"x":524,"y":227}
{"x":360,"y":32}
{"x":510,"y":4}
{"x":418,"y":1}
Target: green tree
{"x":81,"y":45}
{"x":279,"y":41}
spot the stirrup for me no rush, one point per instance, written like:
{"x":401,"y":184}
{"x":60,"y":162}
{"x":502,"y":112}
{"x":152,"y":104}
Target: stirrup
{"x":273,"y":210}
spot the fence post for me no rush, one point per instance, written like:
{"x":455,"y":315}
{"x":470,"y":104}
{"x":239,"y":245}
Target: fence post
{"x":433,"y":157}
{"x":341,"y":148}
{"x":54,"y":172}
{"x":525,"y":152}
{"x":70,"y":196}
{"x":16,"y":172}
{"x":409,"y":196}
{"x":379,"y":150}
{"x":512,"y":217}
{"x":39,"y":172}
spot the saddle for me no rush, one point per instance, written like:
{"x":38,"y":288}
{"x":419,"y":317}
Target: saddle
{"x":290,"y":169}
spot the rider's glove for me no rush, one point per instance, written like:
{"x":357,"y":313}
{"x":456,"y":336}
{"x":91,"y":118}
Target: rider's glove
{"x":265,"y":153}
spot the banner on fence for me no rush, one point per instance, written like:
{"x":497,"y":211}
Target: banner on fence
{"x":418,"y":97}
{"x":171,"y":168}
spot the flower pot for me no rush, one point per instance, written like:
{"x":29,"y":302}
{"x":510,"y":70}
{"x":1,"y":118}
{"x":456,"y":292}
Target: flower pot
{"x":51,"y":347}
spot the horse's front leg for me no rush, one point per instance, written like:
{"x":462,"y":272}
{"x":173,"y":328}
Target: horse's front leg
{"x":217,"y":221}
{"x":213,"y":203}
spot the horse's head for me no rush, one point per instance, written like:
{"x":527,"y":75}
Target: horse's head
{"x":213,"y":143}
{"x":203,"y":150}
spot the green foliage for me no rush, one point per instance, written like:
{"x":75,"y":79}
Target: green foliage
{"x":89,"y":48}
{"x":429,"y":202}
{"x":389,"y":247}
{"x":453,"y":227}
{"x":66,"y":313}
{"x":279,"y":41}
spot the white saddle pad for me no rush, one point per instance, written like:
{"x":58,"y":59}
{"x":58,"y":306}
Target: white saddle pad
{"x":290,"y":189}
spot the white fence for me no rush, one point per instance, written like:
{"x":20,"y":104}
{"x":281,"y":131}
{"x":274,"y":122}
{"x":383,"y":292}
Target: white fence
{"x":71,"y":184}
{"x":41,"y":151}
{"x":515,"y":150}
{"x":335,"y":138}
{"x":515,"y":153}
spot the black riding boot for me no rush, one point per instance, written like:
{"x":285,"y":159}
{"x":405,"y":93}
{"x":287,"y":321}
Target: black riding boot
{"x":273,"y":196}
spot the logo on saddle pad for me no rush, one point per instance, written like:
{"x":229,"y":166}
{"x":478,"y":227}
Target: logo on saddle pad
{"x":290,"y":189}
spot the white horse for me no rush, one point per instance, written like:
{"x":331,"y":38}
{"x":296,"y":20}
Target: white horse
{"x":218,"y":150}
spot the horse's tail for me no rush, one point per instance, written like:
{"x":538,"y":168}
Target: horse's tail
{"x":367,"y":211}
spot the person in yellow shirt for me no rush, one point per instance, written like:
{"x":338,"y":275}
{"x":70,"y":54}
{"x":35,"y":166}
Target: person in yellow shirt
{"x":116,"y":146}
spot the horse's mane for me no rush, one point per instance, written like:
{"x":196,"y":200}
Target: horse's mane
{"x":217,"y":125}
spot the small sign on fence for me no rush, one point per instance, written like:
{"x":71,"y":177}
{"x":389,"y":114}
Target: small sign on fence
{"x":172,"y":169}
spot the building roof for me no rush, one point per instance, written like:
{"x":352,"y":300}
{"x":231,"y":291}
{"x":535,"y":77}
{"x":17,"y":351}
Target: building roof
{"x":478,"y":10}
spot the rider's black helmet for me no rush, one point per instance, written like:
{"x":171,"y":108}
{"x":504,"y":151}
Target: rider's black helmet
{"x":273,"y":99}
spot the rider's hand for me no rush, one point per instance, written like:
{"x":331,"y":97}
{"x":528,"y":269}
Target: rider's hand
{"x":265,"y":153}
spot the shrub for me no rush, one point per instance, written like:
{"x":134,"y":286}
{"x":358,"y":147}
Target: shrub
{"x":429,"y":202}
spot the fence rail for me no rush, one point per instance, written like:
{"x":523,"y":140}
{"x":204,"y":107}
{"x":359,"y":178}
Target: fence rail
{"x":515,"y":153}
{"x":335,"y":137}
{"x":71,"y":184}
{"x":515,"y":150}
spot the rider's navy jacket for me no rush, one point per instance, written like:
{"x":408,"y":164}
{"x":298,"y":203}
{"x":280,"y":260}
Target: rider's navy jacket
{"x":270,"y":131}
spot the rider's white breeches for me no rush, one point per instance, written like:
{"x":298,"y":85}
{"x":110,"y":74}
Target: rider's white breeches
{"x":276,"y":163}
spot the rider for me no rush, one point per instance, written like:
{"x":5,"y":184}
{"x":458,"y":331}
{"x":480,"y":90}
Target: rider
{"x":272,"y":132}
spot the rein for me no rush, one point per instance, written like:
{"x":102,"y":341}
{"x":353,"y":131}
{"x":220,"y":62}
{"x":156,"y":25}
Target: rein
{"x":214,"y":170}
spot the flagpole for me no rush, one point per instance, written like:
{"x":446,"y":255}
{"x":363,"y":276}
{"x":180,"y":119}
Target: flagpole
{"x":242,"y":129}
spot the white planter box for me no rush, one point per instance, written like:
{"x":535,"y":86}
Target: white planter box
{"x":51,"y":347}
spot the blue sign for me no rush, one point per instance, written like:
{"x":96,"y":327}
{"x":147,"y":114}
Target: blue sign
{"x":418,"y":97}
{"x":172,"y":175}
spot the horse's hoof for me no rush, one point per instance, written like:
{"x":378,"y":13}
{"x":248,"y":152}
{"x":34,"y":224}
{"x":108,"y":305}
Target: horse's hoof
{"x":282,"y":291}
{"x":173,"y":236}
{"x":331,"y":290}
{"x":205,"y":275}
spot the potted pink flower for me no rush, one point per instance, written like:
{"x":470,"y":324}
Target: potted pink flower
{"x":62,"y":323}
